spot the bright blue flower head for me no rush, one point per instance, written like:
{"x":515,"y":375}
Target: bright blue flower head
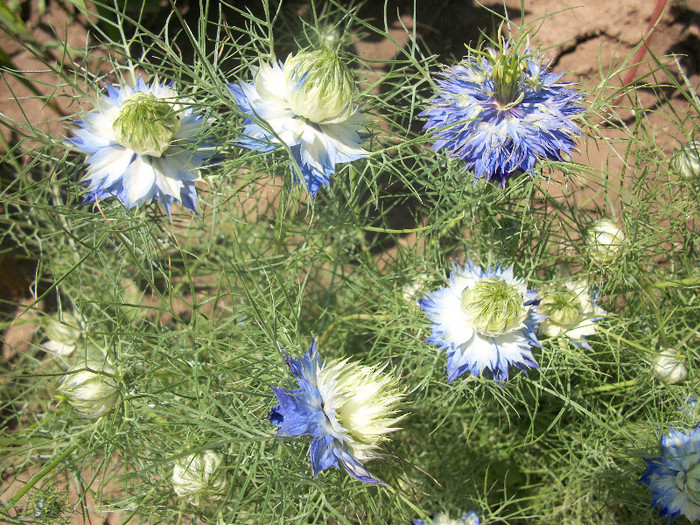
{"x":501,"y":111}
{"x":485,"y":320}
{"x":306,"y":104}
{"x":674,"y":478}
{"x":470,"y":518}
{"x":347,"y":408}
{"x":143,"y":144}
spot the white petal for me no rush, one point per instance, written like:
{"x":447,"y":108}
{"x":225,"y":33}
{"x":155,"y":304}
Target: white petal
{"x":108,"y":164}
{"x":139,"y":181}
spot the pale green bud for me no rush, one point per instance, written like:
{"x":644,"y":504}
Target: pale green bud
{"x":562,"y":307}
{"x":668,"y":368}
{"x":321,"y":87}
{"x":200,"y":478}
{"x":63,"y":333}
{"x":494,"y":306}
{"x":604,"y":240}
{"x":89,"y":388}
{"x":686,"y":161}
{"x":147,"y":124}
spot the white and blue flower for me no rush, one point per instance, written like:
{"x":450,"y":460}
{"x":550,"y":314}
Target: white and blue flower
{"x":501,"y":111}
{"x":484,"y":320}
{"x":470,"y":518}
{"x":143,"y":143}
{"x":307,"y":105}
{"x":674,"y":478}
{"x":347,"y":408}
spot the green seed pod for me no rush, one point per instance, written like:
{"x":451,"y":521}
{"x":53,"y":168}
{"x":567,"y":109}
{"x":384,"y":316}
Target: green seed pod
{"x":494,"y":306}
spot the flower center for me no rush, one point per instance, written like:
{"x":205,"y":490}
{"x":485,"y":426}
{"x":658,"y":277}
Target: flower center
{"x":563,"y":308}
{"x":508,"y":68}
{"x":494,"y":306}
{"x":146,"y":124}
{"x":321,"y":86}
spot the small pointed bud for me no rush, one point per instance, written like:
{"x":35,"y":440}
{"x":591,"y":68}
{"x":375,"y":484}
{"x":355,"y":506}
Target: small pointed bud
{"x":147,"y":124}
{"x":686,"y":161}
{"x":605,"y":240}
{"x":321,"y":86}
{"x":668,"y":367}
{"x":200,"y":479}
{"x":90,"y":388}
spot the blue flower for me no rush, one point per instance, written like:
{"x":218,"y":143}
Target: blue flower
{"x":143,"y":144}
{"x":674,"y":478}
{"x":501,"y":111}
{"x":294,"y":104}
{"x":347,"y":408}
{"x":470,"y":518}
{"x":485,"y":320}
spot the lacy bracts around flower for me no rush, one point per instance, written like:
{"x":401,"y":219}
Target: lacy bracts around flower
{"x":347,"y":408}
{"x":306,"y":104}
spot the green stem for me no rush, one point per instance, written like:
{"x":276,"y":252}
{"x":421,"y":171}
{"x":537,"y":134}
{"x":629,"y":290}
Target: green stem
{"x":614,"y":386}
{"x":43,"y":472}
{"x":352,"y":317}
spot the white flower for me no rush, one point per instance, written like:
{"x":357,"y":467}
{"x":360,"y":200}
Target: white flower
{"x":605,"y":240}
{"x":306,"y":104}
{"x":485,"y":320}
{"x":90,"y":388}
{"x":668,"y":367}
{"x":143,"y":145}
{"x":570,"y":311}
{"x":200,"y":478}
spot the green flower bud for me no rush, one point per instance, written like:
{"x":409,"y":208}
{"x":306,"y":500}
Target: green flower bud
{"x":321,"y":88}
{"x":604,"y":240}
{"x":63,"y":333}
{"x":89,"y":388}
{"x":494,"y":306}
{"x":686,"y":161}
{"x":147,"y":124}
{"x":668,"y":368}
{"x":562,"y":308}
{"x":200,"y":478}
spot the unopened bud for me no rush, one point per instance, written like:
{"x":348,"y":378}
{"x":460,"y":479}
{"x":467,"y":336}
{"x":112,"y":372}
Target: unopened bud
{"x":686,"y":161}
{"x":604,"y":240}
{"x":90,"y":388}
{"x":668,"y":368}
{"x":200,"y":478}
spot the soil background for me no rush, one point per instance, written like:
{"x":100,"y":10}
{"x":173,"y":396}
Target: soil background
{"x":581,"y":38}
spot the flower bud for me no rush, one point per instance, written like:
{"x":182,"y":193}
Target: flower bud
{"x":494,"y":306}
{"x":200,"y":478}
{"x":604,"y":240}
{"x":90,"y":388}
{"x":321,"y":87}
{"x":668,"y":368}
{"x":146,"y":124}
{"x":63,"y":333}
{"x":686,"y":161}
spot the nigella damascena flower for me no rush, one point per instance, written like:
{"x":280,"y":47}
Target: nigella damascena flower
{"x":674,"y":478}
{"x":570,"y":310}
{"x":485,"y":320}
{"x":306,"y":104}
{"x":470,"y":518}
{"x":501,"y":111}
{"x":143,"y":144}
{"x":347,"y":408}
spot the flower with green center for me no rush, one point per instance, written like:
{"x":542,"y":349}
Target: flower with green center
{"x":348,"y":409}
{"x":686,"y":161}
{"x":323,"y":86}
{"x":570,"y":310}
{"x":604,"y":240}
{"x":90,"y":388}
{"x":485,"y":320}
{"x":143,"y":144}
{"x":307,"y":105}
{"x":502,"y":111}
{"x":674,"y":478}
{"x":201,"y":478}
